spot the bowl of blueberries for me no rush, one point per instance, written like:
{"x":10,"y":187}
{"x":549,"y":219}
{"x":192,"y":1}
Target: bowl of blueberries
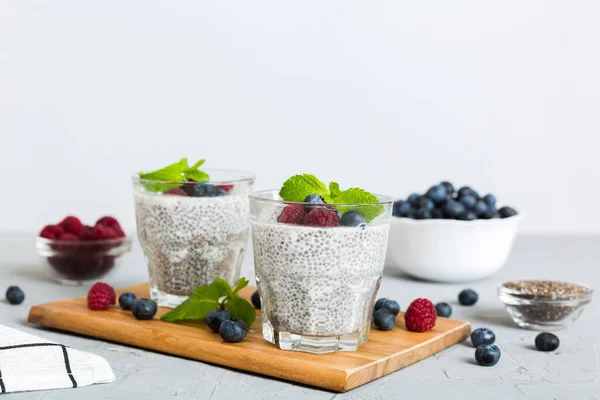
{"x":450,"y":235}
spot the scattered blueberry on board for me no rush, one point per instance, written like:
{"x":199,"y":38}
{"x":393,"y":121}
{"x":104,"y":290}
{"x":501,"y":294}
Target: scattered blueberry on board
{"x":14,"y":295}
{"x":255,"y":300}
{"x":126,"y":300}
{"x":443,"y":310}
{"x":384,"y":320}
{"x":215,"y":318}
{"x":443,"y":201}
{"x":546,"y":342}
{"x":487,"y":355}
{"x":385,"y":304}
{"x":144,"y":309}
{"x":482,"y":337}
{"x":468,"y":297}
{"x":233,"y":330}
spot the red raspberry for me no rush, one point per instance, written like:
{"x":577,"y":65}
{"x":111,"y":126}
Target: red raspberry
{"x":69,"y":237}
{"x":226,"y":188}
{"x":102,"y":232}
{"x":72,"y":225}
{"x":176,"y":192}
{"x":87,"y":233}
{"x":322,"y":217}
{"x":108,"y":222}
{"x":101,"y":296}
{"x":292,"y":214}
{"x":420,"y":316}
{"x":51,"y":232}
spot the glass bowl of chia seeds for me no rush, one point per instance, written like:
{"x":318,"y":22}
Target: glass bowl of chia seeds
{"x":192,"y":233}
{"x":544,"y":305}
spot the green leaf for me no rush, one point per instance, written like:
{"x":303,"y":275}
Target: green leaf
{"x":171,"y":172}
{"x":299,"y":186}
{"x":198,"y":176}
{"x":197,"y":165}
{"x":192,"y":308}
{"x":334,"y":189}
{"x":214,"y":291}
{"x":242,"y":283}
{"x":359,"y":196}
{"x":241,"y":309}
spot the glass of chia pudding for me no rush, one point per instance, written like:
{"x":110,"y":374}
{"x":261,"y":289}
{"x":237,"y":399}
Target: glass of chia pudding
{"x":318,"y":269}
{"x":192,"y":232}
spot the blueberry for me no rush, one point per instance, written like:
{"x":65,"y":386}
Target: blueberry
{"x":468,"y":216}
{"x":468,"y":201}
{"x":490,"y":200}
{"x":437,"y":213}
{"x":506,"y":212}
{"x":385,"y":304}
{"x":546,"y":342}
{"x":425,"y":203}
{"x":203,"y":189}
{"x":482,"y":337}
{"x":352,"y":218}
{"x":468,"y":297}
{"x":255,"y":300}
{"x":496,"y":214}
{"x":14,"y":295}
{"x":467,"y":191}
{"x":489,"y":214}
{"x":384,"y":320}
{"x":144,"y":309}
{"x":443,"y":310}
{"x":453,"y":209}
{"x":233,"y":331}
{"x":437,"y":193}
{"x":413,"y":198}
{"x":313,"y":198}
{"x":215,"y":318}
{"x":421,"y":214}
{"x":449,"y":188}
{"x":481,"y":207}
{"x":402,"y":208}
{"x":126,"y":300}
{"x":487,"y":356}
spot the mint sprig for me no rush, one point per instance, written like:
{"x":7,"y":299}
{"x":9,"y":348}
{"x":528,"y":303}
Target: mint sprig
{"x":299,"y":186}
{"x":208,"y":298}
{"x":176,"y":172}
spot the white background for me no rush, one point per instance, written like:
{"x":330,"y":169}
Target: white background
{"x":392,"y":96}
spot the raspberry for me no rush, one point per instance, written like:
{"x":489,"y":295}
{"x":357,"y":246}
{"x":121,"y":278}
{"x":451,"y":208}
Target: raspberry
{"x":226,"y":188}
{"x":420,"y":316}
{"x":107,"y":221}
{"x":102,"y":232}
{"x":51,"y":232}
{"x":292,"y":214}
{"x":69,"y":237}
{"x":87,"y":233}
{"x":72,"y":225}
{"x":322,"y":217}
{"x":101,"y":296}
{"x":176,"y":192}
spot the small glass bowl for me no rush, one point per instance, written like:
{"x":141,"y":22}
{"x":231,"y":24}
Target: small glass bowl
{"x":544,"y":311}
{"x":76,"y":263}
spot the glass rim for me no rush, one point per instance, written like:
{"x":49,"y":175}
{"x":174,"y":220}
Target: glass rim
{"x":241,"y":176}
{"x":40,"y":241}
{"x":256,"y":196}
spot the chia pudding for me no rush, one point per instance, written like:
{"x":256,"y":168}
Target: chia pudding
{"x":191,"y":241}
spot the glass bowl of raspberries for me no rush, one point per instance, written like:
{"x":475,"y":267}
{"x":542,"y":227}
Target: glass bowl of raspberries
{"x":79,"y":253}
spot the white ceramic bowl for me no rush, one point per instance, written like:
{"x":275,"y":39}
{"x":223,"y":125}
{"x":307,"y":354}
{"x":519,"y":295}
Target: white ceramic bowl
{"x":446,"y":250}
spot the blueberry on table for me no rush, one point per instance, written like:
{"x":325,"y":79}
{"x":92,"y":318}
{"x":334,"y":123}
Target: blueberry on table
{"x":443,"y":310}
{"x":468,"y":297}
{"x":126,"y":300}
{"x":233,"y":330}
{"x":215,"y":318}
{"x":506,"y":212}
{"x":425,"y":203}
{"x":437,"y":193}
{"x":384,"y":320}
{"x":490,"y":200}
{"x":421,"y":213}
{"x":352,"y":218}
{"x":413,"y":198}
{"x":14,"y":295}
{"x":385,"y":304}
{"x":468,"y":201}
{"x":255,"y":300}
{"x":437,"y":213}
{"x":449,"y":188}
{"x":402,"y":208}
{"x":144,"y":309}
{"x":481,"y":207}
{"x":453,"y":209}
{"x":488,"y":355}
{"x":482,"y":337}
{"x":546,"y":342}
{"x":468,"y":216}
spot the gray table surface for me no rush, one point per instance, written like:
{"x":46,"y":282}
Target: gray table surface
{"x":572,"y":372}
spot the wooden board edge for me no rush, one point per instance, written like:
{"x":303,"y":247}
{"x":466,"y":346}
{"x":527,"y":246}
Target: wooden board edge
{"x":380,"y":368}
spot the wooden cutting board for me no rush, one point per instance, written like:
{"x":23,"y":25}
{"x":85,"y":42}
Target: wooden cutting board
{"x":382,"y":354}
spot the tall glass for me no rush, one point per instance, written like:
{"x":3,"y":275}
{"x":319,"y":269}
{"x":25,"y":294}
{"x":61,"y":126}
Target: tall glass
{"x":192,"y":233}
{"x":317,"y":285}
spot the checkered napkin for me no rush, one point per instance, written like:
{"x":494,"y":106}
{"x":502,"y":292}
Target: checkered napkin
{"x":28,"y":362}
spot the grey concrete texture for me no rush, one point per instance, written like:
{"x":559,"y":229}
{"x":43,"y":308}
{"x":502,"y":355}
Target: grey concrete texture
{"x":570,"y":373}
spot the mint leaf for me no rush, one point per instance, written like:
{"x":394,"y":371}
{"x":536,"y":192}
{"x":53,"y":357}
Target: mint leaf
{"x":192,"y":308}
{"x":219,"y":288}
{"x":299,"y":186}
{"x":242,"y":283}
{"x":334,"y":189}
{"x":197,"y":165}
{"x":169,"y":173}
{"x":241,"y":309}
{"x":359,"y":196}
{"x":198,"y":176}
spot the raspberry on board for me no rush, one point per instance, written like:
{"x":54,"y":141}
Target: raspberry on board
{"x":420,"y":316}
{"x":101,"y":296}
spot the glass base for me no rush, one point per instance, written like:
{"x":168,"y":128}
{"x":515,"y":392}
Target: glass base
{"x":311,"y":344}
{"x":163,"y":299}
{"x":73,"y":282}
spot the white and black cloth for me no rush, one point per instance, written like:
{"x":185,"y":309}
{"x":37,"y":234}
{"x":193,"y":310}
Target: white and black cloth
{"x":29,"y":362}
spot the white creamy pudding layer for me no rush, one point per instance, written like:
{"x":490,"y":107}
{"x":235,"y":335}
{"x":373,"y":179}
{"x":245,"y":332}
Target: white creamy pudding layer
{"x":318,"y":281}
{"x":191,"y":241}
